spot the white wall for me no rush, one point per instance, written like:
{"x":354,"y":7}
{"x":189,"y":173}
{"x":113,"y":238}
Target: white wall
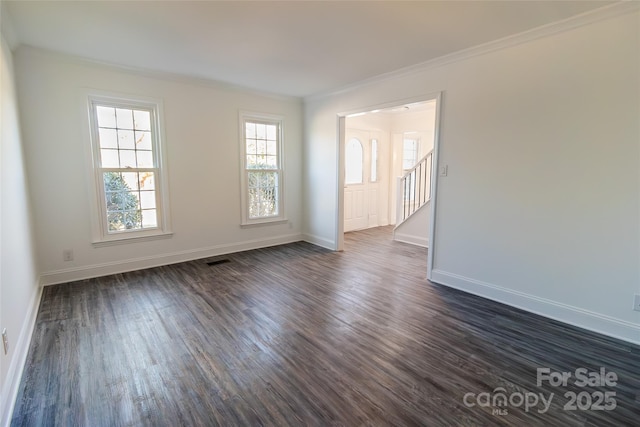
{"x":201,"y":132}
{"x":370,"y":122}
{"x":421,"y":122}
{"x":19,"y":290}
{"x":541,"y":206}
{"x":415,"y":229}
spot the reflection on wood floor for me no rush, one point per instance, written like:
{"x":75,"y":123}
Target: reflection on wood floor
{"x":299,"y":335}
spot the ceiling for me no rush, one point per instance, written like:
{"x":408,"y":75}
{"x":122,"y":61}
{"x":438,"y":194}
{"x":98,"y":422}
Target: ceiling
{"x":296,"y":48}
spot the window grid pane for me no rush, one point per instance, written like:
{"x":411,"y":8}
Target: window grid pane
{"x":263,"y":193}
{"x":261,"y":146}
{"x":125,"y":138}
{"x":130,"y":201}
{"x":410,"y":153}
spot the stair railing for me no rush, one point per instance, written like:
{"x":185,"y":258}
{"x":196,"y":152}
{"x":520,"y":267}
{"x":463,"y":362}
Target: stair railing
{"x":414,"y":188}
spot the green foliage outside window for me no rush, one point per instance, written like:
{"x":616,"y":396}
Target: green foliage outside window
{"x":123,"y":206}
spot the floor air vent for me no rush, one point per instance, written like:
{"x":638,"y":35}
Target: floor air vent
{"x":218,"y":262}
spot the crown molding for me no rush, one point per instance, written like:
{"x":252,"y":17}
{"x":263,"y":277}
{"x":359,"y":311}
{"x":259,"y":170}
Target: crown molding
{"x":568,"y":24}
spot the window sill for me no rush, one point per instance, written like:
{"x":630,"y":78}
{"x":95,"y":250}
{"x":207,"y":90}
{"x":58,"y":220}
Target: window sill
{"x":131,"y":239}
{"x":274,"y":221}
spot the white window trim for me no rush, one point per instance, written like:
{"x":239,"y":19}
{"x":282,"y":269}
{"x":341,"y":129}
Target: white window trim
{"x":245,"y":116}
{"x":99,"y":231}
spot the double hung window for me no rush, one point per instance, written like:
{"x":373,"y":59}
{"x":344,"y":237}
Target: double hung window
{"x":262,"y":172}
{"x":128,"y":169}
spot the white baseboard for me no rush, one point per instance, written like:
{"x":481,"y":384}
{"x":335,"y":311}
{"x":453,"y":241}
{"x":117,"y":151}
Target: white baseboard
{"x":97,"y":270}
{"x":320,"y":241}
{"x":575,"y":316}
{"x":16,"y":366}
{"x":414,"y":240}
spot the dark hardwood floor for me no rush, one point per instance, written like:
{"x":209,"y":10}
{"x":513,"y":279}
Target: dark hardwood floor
{"x":298,"y":335}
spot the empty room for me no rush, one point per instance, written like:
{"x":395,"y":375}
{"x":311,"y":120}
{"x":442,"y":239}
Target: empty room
{"x":313,"y":213}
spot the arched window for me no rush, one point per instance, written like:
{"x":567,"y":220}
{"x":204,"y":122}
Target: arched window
{"x":353,"y":162}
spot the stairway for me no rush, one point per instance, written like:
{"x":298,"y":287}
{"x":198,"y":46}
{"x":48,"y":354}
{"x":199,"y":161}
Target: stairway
{"x":412,"y":205}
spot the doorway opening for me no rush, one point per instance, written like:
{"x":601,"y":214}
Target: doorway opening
{"x":377,"y":147}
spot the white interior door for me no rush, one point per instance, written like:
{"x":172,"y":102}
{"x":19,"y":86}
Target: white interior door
{"x":360,"y":195}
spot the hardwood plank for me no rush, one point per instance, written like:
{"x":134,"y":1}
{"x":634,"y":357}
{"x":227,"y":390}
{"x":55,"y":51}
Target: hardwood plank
{"x":298,"y":335}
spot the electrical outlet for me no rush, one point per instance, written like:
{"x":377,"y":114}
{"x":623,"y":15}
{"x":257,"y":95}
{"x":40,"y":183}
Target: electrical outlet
{"x":636,"y":302}
{"x":5,"y":341}
{"x":67,"y":255}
